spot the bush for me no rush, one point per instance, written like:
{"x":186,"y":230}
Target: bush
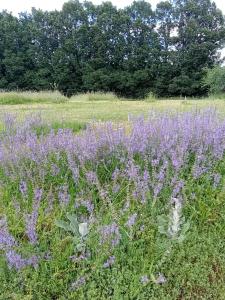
{"x":215,"y":80}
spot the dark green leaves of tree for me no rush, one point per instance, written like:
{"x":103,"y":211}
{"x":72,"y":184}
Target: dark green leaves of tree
{"x":130,"y":51}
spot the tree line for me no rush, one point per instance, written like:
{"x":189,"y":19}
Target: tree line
{"x":130,"y":51}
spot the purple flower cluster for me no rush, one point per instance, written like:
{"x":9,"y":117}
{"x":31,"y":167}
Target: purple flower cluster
{"x":78,"y":283}
{"x":110,"y":233}
{"x":144,"y":279}
{"x":31,"y":219}
{"x":152,"y":156}
{"x":110,"y":261}
{"x":16,"y":261}
{"x":92,"y":177}
{"x":7,"y":241}
{"x":216,"y":179}
{"x":23,"y":188}
{"x":131,"y":220}
{"x":161,"y":138}
{"x":64,"y":196}
{"x":86,"y":203}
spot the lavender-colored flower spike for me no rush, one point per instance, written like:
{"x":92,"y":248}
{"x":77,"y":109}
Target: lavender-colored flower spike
{"x":64,"y":196}
{"x":86,"y":203}
{"x":38,"y":194}
{"x":23,"y":188}
{"x":92,"y":177}
{"x":144,"y":279}
{"x":110,"y":261}
{"x":78,"y":283}
{"x":131,"y":220}
{"x":32,"y":218}
{"x":161,"y":279}
{"x":217,"y":178}
{"x":16,"y":261}
{"x":110,"y":233}
{"x":7,"y":241}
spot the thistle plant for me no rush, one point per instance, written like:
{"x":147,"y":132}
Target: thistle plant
{"x":78,"y":230}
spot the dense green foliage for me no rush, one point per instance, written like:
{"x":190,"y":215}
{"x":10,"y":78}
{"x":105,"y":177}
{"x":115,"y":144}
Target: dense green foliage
{"x":215,"y":80}
{"x":130,"y":51}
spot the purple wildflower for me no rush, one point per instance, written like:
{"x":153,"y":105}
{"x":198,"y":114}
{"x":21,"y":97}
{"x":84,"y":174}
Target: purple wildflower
{"x":178,"y":186}
{"x":141,"y":184}
{"x":110,"y":233}
{"x":216,"y":180}
{"x":23,"y":188}
{"x":92,"y":178}
{"x":7,"y":241}
{"x":142,"y":228}
{"x":103,"y":194}
{"x":132,"y":171}
{"x":73,"y":167}
{"x":55,"y":169}
{"x":115,"y":174}
{"x":161,"y":279}
{"x":157,"y":189}
{"x":116,"y":188}
{"x":78,"y":283}
{"x":131,"y":220}
{"x":86,"y":203}
{"x":38,"y":194}
{"x":32,"y":218}
{"x":15,"y":260}
{"x":144,"y":279}
{"x":64,"y":196}
{"x":110,"y":261}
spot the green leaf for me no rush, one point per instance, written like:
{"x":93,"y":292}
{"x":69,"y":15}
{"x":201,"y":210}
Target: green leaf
{"x":62,"y":224}
{"x":74,"y":225}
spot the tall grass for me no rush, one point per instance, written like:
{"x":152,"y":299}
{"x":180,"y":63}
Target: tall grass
{"x":13,"y":98}
{"x":16,"y":98}
{"x":97,"y":96}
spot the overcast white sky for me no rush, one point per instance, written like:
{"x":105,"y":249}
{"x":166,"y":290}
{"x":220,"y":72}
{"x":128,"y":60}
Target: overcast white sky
{"x":16,"y":6}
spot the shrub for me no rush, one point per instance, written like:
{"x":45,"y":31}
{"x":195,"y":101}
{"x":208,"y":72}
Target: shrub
{"x":215,"y":80}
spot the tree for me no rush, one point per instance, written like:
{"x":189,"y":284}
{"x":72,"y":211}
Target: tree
{"x":215,"y":80}
{"x":131,"y":51}
{"x":165,"y":18}
{"x":200,"y":33}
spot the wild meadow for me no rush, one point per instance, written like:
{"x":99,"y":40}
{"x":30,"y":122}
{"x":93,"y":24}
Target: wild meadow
{"x":112,"y":185}
{"x":113,"y":210}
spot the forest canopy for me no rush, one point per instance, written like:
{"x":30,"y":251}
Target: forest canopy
{"x":131,"y":51}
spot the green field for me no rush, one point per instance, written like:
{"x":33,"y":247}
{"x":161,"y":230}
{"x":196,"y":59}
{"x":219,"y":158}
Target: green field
{"x":94,"y":107}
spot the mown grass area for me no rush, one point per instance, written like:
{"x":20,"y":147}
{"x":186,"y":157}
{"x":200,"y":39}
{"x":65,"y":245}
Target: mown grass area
{"x":95,"y":106}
